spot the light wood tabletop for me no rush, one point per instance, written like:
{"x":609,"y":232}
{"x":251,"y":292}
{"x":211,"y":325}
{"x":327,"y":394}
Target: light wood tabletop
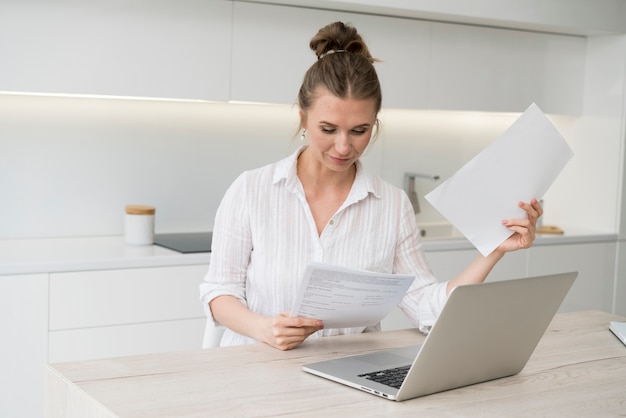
{"x":578,"y":369}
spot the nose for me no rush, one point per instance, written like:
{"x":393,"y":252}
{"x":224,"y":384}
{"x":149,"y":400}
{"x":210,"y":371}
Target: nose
{"x":343,"y":143}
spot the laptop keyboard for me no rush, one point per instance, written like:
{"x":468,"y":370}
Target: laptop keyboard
{"x":390,"y":377}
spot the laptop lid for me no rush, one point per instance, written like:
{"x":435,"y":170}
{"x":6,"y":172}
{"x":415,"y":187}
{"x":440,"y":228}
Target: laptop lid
{"x":485,"y":331}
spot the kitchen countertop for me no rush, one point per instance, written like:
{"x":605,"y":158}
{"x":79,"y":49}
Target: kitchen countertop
{"x":570,"y":237}
{"x":48,"y":255}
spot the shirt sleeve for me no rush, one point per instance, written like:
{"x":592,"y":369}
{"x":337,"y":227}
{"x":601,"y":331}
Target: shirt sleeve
{"x":426,"y":296}
{"x":230,"y":248}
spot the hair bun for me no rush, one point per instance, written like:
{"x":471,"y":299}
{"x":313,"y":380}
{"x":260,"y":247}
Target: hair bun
{"x":344,"y":68}
{"x":339,"y":37}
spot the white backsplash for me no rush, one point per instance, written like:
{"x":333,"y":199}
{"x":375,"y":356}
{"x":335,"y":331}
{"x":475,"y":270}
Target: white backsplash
{"x":68,"y":166}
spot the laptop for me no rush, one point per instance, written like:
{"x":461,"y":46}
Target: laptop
{"x":485,"y":331}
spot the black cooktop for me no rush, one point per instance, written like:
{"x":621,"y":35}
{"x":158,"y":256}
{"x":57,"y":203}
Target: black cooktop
{"x":185,"y":242}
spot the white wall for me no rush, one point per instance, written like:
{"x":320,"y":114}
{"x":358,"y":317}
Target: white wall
{"x":68,"y":165}
{"x":590,"y":188}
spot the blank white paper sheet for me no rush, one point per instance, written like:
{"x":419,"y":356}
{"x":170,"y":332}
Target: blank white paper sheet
{"x":521,"y":164}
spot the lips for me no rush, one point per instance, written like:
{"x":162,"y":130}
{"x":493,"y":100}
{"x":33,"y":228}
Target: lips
{"x":340,"y":160}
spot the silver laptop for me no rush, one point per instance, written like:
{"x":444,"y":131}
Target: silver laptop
{"x":485,"y":331}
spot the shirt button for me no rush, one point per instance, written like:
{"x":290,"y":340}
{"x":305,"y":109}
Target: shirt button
{"x":331,"y":222}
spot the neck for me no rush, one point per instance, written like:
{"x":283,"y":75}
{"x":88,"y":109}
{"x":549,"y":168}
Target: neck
{"x":312,"y":173}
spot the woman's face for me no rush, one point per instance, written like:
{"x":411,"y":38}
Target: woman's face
{"x":339,"y":130}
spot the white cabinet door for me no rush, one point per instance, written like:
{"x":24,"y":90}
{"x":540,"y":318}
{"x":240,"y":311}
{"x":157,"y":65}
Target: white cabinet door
{"x":271,"y":52}
{"x":477,"y":68}
{"x":126,"y":340}
{"x":145,"y":48}
{"x":620,"y":277}
{"x":446,"y":265}
{"x":593,"y":289}
{"x":24,"y":347}
{"x":87,"y":299}
{"x":96,"y":314}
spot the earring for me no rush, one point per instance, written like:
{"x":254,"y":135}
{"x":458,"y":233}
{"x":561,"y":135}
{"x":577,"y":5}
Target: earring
{"x":303,"y":136}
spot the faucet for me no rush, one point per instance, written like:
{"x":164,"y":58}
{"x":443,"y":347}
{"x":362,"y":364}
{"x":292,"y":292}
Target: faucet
{"x":409,"y":187}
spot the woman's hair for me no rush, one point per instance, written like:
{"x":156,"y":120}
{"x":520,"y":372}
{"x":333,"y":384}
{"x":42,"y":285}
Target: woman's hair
{"x":343,"y":67}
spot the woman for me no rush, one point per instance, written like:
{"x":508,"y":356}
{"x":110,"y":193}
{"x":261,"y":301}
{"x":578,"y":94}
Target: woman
{"x":319,"y":204}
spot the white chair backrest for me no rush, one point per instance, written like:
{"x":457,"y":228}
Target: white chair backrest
{"x":212,"y":335}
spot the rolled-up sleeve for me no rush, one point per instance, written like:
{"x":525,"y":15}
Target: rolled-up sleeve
{"x":230,"y":249}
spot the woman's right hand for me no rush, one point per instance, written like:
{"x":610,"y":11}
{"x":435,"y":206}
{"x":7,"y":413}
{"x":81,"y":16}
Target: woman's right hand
{"x":281,"y":331}
{"x":284,"y":332}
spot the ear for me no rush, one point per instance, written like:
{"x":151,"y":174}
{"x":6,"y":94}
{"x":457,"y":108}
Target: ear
{"x":302,"y":117}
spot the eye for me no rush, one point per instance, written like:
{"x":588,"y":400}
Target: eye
{"x":327,"y":129}
{"x":360,"y":131}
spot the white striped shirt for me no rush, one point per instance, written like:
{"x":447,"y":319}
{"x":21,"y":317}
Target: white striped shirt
{"x":264,"y":236}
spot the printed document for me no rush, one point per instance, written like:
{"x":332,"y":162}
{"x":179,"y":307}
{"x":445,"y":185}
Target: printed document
{"x":343,"y":298}
{"x":519,"y":165}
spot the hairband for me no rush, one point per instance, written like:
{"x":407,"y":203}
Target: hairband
{"x":331,"y":51}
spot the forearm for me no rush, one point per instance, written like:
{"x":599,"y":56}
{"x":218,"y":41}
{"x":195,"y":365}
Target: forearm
{"x":523,"y":236}
{"x":280,"y":331}
{"x":233,"y":314}
{"x":476,"y":271}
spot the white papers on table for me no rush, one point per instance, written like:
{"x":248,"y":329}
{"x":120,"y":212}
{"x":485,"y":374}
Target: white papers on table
{"x":519,"y":165}
{"x":342,"y":297}
{"x":619,"y":329}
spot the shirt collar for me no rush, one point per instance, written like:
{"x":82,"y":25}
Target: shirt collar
{"x":286,"y":170}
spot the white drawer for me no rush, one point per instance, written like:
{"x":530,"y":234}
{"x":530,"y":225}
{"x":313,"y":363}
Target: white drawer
{"x":125,"y":340}
{"x":130,"y":296}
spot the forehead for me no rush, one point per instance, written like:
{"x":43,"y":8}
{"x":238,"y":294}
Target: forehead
{"x":329,"y":108}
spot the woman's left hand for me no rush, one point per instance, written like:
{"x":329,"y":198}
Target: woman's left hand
{"x":524,"y":229}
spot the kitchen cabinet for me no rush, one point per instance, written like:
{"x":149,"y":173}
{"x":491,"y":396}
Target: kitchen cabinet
{"x":144,"y":48}
{"x":588,"y":17}
{"x":271,"y":52}
{"x":446,"y":265}
{"x":102,"y":302}
{"x":251,"y":52}
{"x":478,"y":68}
{"x":425,"y":64}
{"x":592,"y":290}
{"x":24,"y":348}
{"x":595,"y":263}
{"x":620,"y":279}
{"x":86,"y":314}
{"x":125,"y":340}
{"x":95,"y":314}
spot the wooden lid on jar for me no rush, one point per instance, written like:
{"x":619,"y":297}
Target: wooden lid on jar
{"x":140,"y":210}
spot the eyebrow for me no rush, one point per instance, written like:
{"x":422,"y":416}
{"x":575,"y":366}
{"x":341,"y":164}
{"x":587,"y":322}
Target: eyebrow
{"x":363,"y":125}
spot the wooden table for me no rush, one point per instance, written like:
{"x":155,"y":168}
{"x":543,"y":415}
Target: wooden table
{"x":578,"y":369}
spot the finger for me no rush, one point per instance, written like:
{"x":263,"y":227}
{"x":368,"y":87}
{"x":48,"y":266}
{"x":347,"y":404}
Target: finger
{"x":286,"y":338}
{"x":536,"y":206}
{"x":284,"y":343}
{"x":522,"y":230}
{"x":295,"y":327}
{"x":524,"y":233}
{"x":520,"y":223}
{"x":290,"y":337}
{"x":297,"y":322}
{"x":532,"y":209}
